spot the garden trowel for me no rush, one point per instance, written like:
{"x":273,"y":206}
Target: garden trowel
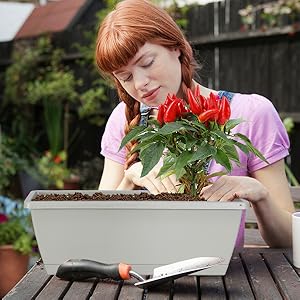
{"x":81,"y":269}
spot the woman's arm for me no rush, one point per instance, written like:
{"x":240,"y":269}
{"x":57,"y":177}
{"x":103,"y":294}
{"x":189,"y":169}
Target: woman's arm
{"x":274,"y":212}
{"x":113,"y":177}
{"x":268,"y":192}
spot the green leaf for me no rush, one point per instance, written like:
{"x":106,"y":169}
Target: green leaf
{"x":222,"y":159}
{"x":145,"y":141}
{"x":190,"y":143}
{"x":251,"y":147}
{"x":256,"y":152}
{"x":168,"y":165}
{"x":183,"y":159}
{"x":148,"y":135}
{"x":153,"y":122}
{"x":171,"y":128}
{"x":220,"y":173}
{"x":179,"y":173}
{"x":232,"y":123}
{"x":220,"y":134}
{"x":231,"y":152}
{"x":180,"y":190}
{"x":242,"y":137}
{"x":243,"y":147}
{"x":132,"y":135}
{"x":203,"y":152}
{"x":150,"y":156}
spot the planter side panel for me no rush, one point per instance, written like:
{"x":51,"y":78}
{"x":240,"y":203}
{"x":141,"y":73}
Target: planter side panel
{"x":145,"y":238}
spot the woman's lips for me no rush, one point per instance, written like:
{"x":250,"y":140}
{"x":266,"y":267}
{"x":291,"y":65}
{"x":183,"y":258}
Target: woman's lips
{"x":150,"y":96}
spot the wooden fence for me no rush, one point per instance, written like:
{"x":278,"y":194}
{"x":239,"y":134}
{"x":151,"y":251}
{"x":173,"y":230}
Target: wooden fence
{"x":264,"y":62}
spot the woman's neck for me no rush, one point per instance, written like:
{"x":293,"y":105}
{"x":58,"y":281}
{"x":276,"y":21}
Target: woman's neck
{"x":204,"y":91}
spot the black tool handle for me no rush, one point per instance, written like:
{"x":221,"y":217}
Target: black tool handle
{"x":80,"y":269}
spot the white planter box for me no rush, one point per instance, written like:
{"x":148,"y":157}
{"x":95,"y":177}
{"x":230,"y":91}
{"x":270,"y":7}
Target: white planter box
{"x":144,"y":234}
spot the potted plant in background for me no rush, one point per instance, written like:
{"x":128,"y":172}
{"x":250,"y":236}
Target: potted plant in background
{"x":17,"y":242}
{"x":44,"y":89}
{"x":55,"y":90}
{"x":264,"y":16}
{"x":52,"y":169}
{"x":8,"y":162}
{"x":12,"y":163}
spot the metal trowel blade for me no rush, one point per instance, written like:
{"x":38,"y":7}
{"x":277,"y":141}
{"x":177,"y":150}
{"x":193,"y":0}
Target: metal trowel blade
{"x":179,"y":269}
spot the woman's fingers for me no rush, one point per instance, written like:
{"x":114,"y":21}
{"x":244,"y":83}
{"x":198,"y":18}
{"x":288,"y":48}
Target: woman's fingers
{"x":151,"y":182}
{"x":166,"y":185}
{"x":153,"y":188}
{"x":170,"y":184}
{"x":216,"y":191}
{"x":228,"y":188}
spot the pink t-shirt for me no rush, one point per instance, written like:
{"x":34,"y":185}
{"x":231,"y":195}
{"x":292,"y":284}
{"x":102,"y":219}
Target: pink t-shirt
{"x":262,"y":125}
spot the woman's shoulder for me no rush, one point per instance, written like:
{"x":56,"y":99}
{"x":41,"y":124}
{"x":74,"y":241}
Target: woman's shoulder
{"x":113,"y":134}
{"x":117,"y":116}
{"x":119,"y":109}
{"x":116,"y":123}
{"x":251,"y":99}
{"x":252,"y":105}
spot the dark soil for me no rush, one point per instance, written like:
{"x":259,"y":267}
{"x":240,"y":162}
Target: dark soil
{"x":116,"y":197}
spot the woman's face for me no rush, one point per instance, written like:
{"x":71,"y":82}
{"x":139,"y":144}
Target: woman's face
{"x":153,"y":72}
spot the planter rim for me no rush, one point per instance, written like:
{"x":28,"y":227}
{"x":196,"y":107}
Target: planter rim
{"x":138,"y":205}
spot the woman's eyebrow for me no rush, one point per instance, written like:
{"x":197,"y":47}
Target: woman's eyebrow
{"x":134,"y":63}
{"x":119,"y":72}
{"x":139,"y":58}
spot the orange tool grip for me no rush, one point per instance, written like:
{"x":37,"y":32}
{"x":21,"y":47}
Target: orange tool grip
{"x":124,"y":271}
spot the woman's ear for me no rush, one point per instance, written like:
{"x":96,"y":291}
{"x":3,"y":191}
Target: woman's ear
{"x":177,"y":52}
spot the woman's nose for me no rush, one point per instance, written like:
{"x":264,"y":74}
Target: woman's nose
{"x":141,"y":80}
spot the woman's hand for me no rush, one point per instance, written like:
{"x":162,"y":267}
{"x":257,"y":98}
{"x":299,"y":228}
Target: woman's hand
{"x":151,"y":182}
{"x":228,"y":188}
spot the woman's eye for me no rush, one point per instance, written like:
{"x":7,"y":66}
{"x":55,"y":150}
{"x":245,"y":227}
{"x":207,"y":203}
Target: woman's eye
{"x":148,"y":64}
{"x":127,"y":79}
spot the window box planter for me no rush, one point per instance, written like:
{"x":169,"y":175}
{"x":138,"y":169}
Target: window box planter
{"x":145,"y":234}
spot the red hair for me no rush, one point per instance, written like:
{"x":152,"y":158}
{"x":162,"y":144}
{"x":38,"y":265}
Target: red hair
{"x":124,"y":31}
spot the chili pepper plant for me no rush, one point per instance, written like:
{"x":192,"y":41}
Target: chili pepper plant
{"x":187,"y":137}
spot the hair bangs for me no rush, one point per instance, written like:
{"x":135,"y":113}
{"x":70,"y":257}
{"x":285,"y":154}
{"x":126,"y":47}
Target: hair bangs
{"x":117,"y":49}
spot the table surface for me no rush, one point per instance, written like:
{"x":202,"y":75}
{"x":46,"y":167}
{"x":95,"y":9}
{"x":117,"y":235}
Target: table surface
{"x":253,"y":273}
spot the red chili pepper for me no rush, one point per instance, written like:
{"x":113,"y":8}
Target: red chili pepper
{"x":203,"y":102}
{"x":224,"y":111}
{"x":168,"y":100}
{"x":209,"y":115}
{"x":160,"y":114}
{"x":171,"y":112}
{"x":194,"y":105}
{"x":212,"y":101}
{"x":197,"y":91}
{"x":181,"y":108}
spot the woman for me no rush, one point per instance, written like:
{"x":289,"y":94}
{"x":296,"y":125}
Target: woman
{"x":141,"y":48}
